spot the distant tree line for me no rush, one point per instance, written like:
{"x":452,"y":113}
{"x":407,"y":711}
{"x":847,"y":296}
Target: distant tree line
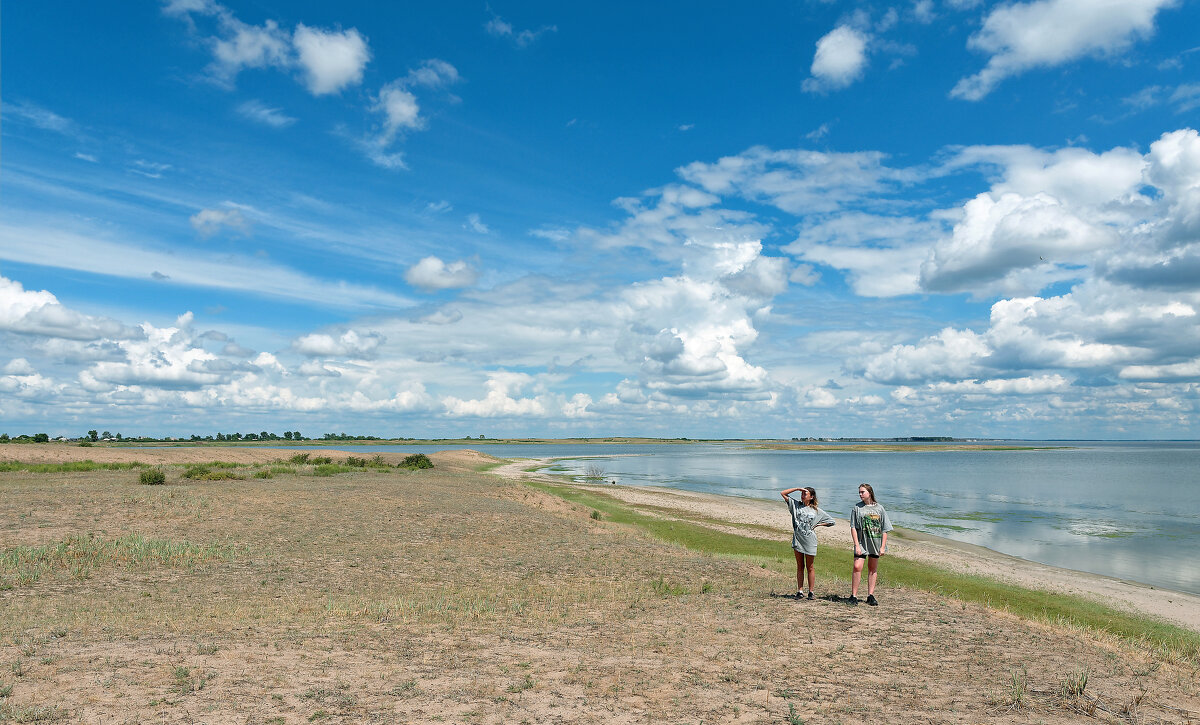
{"x":25,"y":438}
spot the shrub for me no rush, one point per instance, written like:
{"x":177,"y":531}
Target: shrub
{"x":152,"y":477}
{"x":85,"y":444}
{"x":417,"y":460}
{"x":299,"y":458}
{"x":201,"y":472}
{"x":320,"y":460}
{"x":264,"y":474}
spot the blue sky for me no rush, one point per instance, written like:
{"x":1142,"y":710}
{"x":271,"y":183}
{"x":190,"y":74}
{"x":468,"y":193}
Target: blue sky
{"x":941,"y":217}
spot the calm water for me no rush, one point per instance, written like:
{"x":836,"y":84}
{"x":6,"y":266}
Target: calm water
{"x":1129,"y":510}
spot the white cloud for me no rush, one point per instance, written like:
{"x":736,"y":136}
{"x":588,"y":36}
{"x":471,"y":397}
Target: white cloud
{"x":259,"y":112}
{"x":1047,"y":33}
{"x":32,"y":114}
{"x":431,"y":273}
{"x":40,"y":313}
{"x":95,"y":255}
{"x":949,"y":354}
{"x":209,"y":221}
{"x":349,"y":344}
{"x":330,"y":60}
{"x":499,"y":401}
{"x":19,"y":366}
{"x":501,"y":28}
{"x":248,"y":46}
{"x":401,"y":110}
{"x":840,"y":59}
{"x":476,"y":225}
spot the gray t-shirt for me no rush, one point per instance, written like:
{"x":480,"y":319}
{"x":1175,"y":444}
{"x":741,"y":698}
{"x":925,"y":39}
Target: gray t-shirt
{"x":804,"y":520}
{"x":871,"y":522}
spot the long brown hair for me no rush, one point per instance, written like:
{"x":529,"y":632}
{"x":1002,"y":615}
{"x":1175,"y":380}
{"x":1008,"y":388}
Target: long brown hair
{"x":812,"y":496}
{"x":869,"y":490}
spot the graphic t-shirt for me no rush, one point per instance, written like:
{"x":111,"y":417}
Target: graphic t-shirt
{"x":871,"y":522}
{"x":804,"y":520}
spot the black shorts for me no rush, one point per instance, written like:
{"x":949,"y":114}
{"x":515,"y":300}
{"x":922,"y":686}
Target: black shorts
{"x":864,"y":556}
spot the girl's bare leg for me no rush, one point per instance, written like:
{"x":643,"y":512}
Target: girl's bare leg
{"x":856,"y":577}
{"x":872,"y":574}
{"x":808,"y":565}
{"x":799,"y":570}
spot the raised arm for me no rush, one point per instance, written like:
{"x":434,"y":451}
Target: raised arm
{"x":790,"y":490}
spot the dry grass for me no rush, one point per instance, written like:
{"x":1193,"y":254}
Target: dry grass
{"x":401,"y":596}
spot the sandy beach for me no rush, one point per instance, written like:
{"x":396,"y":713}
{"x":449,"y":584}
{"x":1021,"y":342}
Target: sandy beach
{"x":1177,"y":607}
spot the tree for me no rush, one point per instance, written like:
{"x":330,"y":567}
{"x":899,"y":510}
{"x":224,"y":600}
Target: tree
{"x":41,"y":437}
{"x":106,"y":435}
{"x":296,"y":436}
{"x":93,"y":436}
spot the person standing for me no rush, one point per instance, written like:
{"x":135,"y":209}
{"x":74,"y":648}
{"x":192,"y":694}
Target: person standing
{"x":869,"y":527}
{"x":806,"y":516}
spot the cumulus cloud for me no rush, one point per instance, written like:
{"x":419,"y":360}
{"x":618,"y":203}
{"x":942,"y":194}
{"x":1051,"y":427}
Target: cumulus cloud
{"x":330,"y":60}
{"x":499,"y":400}
{"x":401,"y":110}
{"x":1047,"y":33}
{"x":210,"y":221}
{"x":431,"y":273}
{"x":840,"y":59}
{"x":349,"y":344}
{"x":40,"y":313}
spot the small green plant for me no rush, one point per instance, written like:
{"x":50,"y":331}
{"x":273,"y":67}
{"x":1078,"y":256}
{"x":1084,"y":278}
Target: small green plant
{"x":523,"y":685}
{"x":299,"y":458}
{"x":664,"y":588}
{"x":152,"y":477}
{"x":265,"y":473}
{"x":793,"y":717}
{"x":205,"y":472}
{"x":85,"y":444}
{"x":596,"y":515}
{"x":1074,"y":684}
{"x":320,"y":460}
{"x":1018,"y":689}
{"x":5,"y":690}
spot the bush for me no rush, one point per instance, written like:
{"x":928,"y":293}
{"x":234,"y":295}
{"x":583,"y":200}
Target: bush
{"x":417,"y":460}
{"x":85,"y":444}
{"x":152,"y":477}
{"x":320,"y":460}
{"x":204,"y":473}
{"x":299,"y":458}
{"x":264,"y":474}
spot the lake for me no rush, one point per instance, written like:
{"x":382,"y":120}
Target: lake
{"x":1124,"y":509}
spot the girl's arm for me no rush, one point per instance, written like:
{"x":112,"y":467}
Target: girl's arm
{"x":883,"y":545}
{"x":790,"y":490}
{"x":854,"y":537}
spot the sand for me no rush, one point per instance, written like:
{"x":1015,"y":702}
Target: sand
{"x":1177,"y":607}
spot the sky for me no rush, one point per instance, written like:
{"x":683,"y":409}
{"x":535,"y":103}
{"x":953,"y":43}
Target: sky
{"x":703,"y":220}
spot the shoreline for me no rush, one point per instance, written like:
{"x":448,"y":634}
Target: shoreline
{"x":1168,"y":605}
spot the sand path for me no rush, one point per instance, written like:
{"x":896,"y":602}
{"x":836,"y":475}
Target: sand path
{"x":1176,"y":607}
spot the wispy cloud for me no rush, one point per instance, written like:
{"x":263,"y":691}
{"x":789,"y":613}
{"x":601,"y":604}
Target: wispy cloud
{"x":259,"y":112}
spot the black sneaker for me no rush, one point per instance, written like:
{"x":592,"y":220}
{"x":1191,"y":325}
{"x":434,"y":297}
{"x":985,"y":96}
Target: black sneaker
{"x":872,"y":601}
{"x":799,"y":595}
{"x":810,"y":594}
{"x":852,"y":601}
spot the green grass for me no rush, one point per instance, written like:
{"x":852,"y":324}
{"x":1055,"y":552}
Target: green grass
{"x":1167,"y":639}
{"x":68,"y":467}
{"x":80,"y":555}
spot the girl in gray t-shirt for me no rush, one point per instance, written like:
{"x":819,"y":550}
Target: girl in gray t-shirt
{"x":802,"y":504}
{"x":869,"y":527}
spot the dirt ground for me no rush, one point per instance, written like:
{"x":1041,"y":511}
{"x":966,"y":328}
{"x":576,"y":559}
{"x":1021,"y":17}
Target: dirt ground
{"x":459,"y":596}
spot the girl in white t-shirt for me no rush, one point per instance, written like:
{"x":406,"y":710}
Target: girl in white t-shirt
{"x":802,"y":504}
